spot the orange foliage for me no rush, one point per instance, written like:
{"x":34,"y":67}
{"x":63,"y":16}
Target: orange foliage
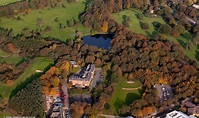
{"x":140,"y":113}
{"x":65,"y":66}
{"x":9,"y":82}
{"x":105,"y":26}
{"x":51,"y":71}
{"x":55,"y":81}
{"x":163,"y":80}
{"x":11,"y":47}
{"x":52,"y":91}
{"x":140,"y":36}
{"x":45,"y":90}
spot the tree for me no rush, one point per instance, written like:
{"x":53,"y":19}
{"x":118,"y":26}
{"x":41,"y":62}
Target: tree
{"x":104,"y":27}
{"x":144,"y":25}
{"x":40,"y":22}
{"x":55,"y":81}
{"x":29,"y":96}
{"x":125,"y":23}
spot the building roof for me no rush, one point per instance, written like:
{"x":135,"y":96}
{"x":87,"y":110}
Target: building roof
{"x":56,"y":108}
{"x":176,"y":114}
{"x":196,"y":6}
{"x":55,"y":115}
{"x":84,"y":74}
{"x":72,"y":62}
{"x":189,"y":104}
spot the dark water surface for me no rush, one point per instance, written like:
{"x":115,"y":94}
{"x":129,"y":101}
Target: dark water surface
{"x":99,"y":40}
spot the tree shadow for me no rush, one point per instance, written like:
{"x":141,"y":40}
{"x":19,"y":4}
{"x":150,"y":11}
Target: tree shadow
{"x":149,"y":34}
{"x":28,"y":80}
{"x":197,"y":55}
{"x":156,"y":25}
{"x":118,"y":104}
{"x":130,"y":97}
{"x":187,"y":36}
{"x":182,"y":43}
{"x":124,"y":17}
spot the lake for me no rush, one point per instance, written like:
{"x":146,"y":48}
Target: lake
{"x":99,"y":40}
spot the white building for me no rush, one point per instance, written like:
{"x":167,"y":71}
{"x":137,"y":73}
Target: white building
{"x":177,"y":114}
{"x":196,"y":6}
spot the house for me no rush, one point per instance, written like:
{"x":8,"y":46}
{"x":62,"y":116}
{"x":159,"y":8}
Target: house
{"x":83,"y":77}
{"x":194,"y":111}
{"x":189,"y":104}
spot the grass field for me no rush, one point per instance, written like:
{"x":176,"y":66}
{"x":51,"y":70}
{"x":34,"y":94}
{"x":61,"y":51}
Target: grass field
{"x":9,"y":58}
{"x":124,"y":97}
{"x":5,"y":2}
{"x":13,"y":59}
{"x":48,"y":16}
{"x":134,"y":25}
{"x":2,"y":115}
{"x":3,"y":54}
{"x":38,"y":63}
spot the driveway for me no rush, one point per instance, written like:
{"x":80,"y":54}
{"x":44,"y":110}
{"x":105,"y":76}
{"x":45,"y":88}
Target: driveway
{"x":97,"y":78}
{"x":66,"y":100}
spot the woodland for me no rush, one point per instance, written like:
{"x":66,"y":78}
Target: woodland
{"x":135,"y":57}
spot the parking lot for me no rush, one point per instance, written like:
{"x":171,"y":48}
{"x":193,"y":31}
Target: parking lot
{"x":164,"y":92}
{"x":97,"y":78}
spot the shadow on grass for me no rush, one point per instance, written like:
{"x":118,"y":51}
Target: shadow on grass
{"x":187,"y":36}
{"x":197,"y":55}
{"x":149,"y":34}
{"x":130,"y":97}
{"x":156,"y":25}
{"x":182,"y":43}
{"x":28,"y":80}
{"x":124,"y":17}
{"x":118,"y":104}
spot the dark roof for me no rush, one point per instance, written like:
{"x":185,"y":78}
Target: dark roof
{"x":189,"y":104}
{"x":84,"y":74}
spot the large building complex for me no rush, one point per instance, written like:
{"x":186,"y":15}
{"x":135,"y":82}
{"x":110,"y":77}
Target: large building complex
{"x":178,"y":114}
{"x":83,"y":77}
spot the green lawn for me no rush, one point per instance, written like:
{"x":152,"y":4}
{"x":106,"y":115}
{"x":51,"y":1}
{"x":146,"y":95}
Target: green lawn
{"x":5,"y":2}
{"x":3,"y":54}
{"x":13,"y":59}
{"x":2,"y":115}
{"x":48,"y":16}
{"x":74,"y":70}
{"x":38,"y":63}
{"x":124,"y":97}
{"x":9,"y":58}
{"x":134,"y":25}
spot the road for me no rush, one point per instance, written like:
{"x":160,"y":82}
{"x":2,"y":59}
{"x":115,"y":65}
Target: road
{"x":96,"y":78}
{"x":66,"y":100}
{"x":112,"y":116}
